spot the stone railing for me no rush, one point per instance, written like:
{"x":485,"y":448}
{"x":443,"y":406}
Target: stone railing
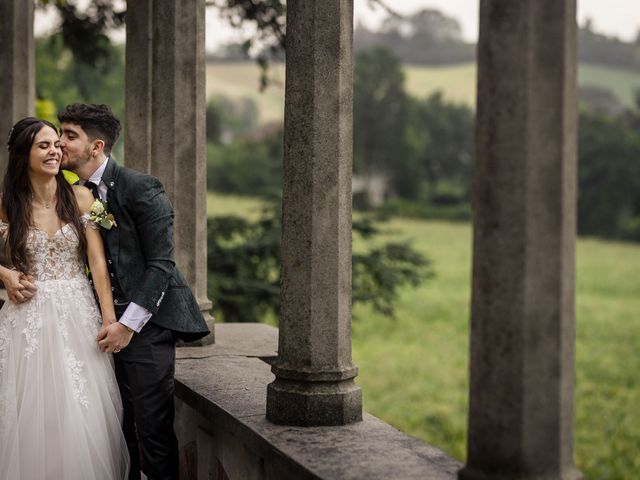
{"x":221,"y":395}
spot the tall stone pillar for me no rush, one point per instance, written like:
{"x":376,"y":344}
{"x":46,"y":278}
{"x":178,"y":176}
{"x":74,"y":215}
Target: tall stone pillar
{"x":17,"y":68}
{"x":165,"y":120}
{"x":522,"y":325}
{"x":314,"y":374}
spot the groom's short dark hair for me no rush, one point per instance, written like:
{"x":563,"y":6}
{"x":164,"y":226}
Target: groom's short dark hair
{"x":97,"y":121}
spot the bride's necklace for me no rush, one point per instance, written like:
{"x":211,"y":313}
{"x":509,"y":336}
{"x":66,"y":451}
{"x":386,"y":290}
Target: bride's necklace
{"x":44,"y":203}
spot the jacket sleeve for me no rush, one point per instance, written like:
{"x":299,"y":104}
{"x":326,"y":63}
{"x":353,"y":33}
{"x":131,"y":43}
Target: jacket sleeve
{"x":152,"y":214}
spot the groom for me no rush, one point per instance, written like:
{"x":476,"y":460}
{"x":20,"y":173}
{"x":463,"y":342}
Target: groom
{"x":153,"y":303}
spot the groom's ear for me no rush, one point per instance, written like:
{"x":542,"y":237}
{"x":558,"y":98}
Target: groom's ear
{"x":97,"y":147}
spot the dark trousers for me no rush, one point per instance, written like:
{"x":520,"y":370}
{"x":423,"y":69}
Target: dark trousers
{"x":145,"y":371}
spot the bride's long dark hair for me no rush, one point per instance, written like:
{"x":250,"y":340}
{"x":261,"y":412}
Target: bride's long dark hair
{"x":17,"y":194}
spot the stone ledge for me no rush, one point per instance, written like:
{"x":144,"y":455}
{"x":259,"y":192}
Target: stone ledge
{"x":224,"y":386}
{"x":237,"y":339}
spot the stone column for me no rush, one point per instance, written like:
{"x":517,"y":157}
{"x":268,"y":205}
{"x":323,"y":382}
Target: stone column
{"x":17,"y":68}
{"x":314,"y":374}
{"x":165,"y":121}
{"x":138,"y":83}
{"x":522,"y":325}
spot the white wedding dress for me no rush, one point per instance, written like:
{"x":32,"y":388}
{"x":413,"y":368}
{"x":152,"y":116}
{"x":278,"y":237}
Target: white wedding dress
{"x":60,"y":409}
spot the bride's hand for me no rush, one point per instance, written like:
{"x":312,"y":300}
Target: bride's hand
{"x":107,"y":321}
{"x":113,"y":338}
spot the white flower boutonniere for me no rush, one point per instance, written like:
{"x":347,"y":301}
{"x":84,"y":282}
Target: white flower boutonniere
{"x":100,"y":216}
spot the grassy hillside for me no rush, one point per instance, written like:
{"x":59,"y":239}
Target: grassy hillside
{"x":238,"y":80}
{"x":413,"y":368}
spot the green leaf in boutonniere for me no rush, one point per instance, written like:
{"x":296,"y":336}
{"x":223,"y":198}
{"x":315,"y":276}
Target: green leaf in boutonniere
{"x":70,"y":177}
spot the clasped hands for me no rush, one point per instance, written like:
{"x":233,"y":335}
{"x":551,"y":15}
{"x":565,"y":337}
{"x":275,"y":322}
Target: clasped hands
{"x":20,"y":286}
{"x":113,"y":336}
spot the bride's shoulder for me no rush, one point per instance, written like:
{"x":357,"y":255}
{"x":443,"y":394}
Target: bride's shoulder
{"x":84,"y":197}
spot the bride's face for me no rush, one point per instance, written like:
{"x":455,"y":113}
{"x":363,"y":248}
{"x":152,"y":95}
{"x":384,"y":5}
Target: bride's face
{"x":45,"y":154}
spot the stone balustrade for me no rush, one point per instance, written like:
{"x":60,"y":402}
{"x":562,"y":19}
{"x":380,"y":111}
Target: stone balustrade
{"x":223,"y":432}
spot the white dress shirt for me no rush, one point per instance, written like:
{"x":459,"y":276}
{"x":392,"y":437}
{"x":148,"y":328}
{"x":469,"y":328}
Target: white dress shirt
{"x":135,"y":317}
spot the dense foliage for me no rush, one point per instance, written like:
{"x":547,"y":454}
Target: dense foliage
{"x":244,"y":260}
{"x":61,"y":79}
{"x":609,"y":174}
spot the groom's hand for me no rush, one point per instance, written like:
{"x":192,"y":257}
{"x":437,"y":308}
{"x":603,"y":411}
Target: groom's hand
{"x":114,"y":337}
{"x":20,"y":287}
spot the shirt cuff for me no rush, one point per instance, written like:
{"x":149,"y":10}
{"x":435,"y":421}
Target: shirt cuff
{"x":135,"y":317}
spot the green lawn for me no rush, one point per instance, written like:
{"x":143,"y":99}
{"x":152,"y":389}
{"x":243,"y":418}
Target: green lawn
{"x":458,"y":83}
{"x":413,"y":369}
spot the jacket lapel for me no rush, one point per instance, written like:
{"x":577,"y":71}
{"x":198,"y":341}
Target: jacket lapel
{"x":109,"y":178}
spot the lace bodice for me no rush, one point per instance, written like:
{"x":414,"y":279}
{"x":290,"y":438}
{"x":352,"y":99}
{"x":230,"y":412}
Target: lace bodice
{"x":55,"y":257}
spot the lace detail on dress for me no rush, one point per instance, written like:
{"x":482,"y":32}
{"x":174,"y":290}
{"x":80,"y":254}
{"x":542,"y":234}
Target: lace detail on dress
{"x":77,"y":379}
{"x":3,"y":228}
{"x":84,"y":219}
{"x":55,"y":257}
{"x":34,"y":324}
{"x":4,"y":335}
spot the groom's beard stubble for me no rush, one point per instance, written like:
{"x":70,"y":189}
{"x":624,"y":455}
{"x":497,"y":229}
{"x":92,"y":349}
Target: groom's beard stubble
{"x":72,"y":163}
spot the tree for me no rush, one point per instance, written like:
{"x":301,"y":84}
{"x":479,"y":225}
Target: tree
{"x":415,"y":142}
{"x":228,"y":119}
{"x":244,"y":261}
{"x":443,"y":136}
{"x":250,"y":165}
{"x":431,"y":25}
{"x":84,"y":31}
{"x":609,"y":175}
{"x":426,"y":37}
{"x":61,"y":79}
{"x":381,"y":109}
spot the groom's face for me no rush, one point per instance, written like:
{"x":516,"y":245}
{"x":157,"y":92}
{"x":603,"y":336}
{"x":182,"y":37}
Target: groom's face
{"x":76,"y":146}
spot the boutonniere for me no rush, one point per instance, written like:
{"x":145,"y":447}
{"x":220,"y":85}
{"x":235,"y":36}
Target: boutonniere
{"x":99,"y":215}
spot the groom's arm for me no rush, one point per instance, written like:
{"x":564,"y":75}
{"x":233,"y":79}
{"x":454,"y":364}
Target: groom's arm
{"x":152,"y":215}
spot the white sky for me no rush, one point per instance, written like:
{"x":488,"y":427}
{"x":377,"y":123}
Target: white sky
{"x":612,"y":17}
{"x":619,"y":18}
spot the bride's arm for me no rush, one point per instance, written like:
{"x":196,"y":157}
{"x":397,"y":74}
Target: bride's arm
{"x":97,"y":260}
{"x":19,"y":287}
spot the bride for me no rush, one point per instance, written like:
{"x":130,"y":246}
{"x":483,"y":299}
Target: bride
{"x":60,"y":409}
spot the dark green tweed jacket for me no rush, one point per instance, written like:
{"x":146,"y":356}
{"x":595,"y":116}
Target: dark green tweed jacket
{"x":141,"y":249}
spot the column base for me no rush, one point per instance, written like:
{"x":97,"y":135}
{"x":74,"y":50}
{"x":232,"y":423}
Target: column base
{"x":310,"y":404}
{"x":472,"y":474}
